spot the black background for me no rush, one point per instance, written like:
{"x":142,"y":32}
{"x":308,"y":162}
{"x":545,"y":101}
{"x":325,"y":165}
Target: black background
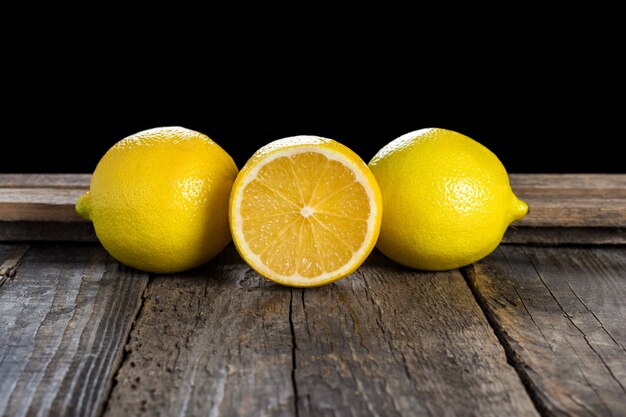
{"x":523,"y":143}
{"x":546,"y":125}
{"x":49,"y":136}
{"x":544,"y":93}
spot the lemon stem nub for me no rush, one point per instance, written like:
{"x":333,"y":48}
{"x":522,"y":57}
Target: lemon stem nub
{"x":520,"y":209}
{"x":83,"y":206}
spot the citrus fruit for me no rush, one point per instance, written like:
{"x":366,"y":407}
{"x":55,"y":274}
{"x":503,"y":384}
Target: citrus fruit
{"x":447,"y":199}
{"x":158,"y":199}
{"x":305,"y":211}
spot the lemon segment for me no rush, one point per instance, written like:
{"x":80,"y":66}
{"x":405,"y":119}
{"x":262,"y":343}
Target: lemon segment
{"x":305,"y":211}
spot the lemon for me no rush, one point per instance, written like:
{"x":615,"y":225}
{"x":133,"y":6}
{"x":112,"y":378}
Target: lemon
{"x":305,"y":211}
{"x":158,"y":199}
{"x":447,"y":199}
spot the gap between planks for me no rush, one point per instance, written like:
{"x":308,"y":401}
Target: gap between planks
{"x":125,"y":349}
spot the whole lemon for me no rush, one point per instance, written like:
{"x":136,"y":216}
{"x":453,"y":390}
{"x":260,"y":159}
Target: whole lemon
{"x":446,"y":198}
{"x":158,"y":199}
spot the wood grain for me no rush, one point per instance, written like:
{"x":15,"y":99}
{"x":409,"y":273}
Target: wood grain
{"x":214,"y":341}
{"x":387,"y":341}
{"x":572,"y":200}
{"x":570,"y":209}
{"x":390,"y":341}
{"x":41,"y":197}
{"x":40,"y":207}
{"x":567,"y":182}
{"x":561,"y":312}
{"x":65,"y":315}
{"x":45,"y":181}
{"x":39,"y":204}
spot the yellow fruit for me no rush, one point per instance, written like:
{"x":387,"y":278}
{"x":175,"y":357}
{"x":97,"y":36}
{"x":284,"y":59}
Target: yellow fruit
{"x":158,"y":199}
{"x":305,"y":211}
{"x":447,"y":199}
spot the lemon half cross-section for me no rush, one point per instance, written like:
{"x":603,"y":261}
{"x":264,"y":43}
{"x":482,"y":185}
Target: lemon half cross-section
{"x":305,"y":211}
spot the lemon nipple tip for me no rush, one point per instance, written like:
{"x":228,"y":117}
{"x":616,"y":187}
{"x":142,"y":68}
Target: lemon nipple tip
{"x":83,"y":206}
{"x":520,"y":209}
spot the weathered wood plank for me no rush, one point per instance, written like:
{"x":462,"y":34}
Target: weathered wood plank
{"x":45,"y":181}
{"x":561,"y":312}
{"x":570,"y":208}
{"x":579,"y":212}
{"x":387,"y":341}
{"x":559,"y":204}
{"x":213,"y":341}
{"x":40,"y":207}
{"x":567,"y":181}
{"x":39,"y":204}
{"x":65,"y":315}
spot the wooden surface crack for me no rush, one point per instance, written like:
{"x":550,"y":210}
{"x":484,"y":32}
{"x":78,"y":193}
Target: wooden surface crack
{"x":9,"y":266}
{"x":608,"y":333}
{"x":509,"y":350}
{"x":380,"y":323}
{"x":566,"y":337}
{"x":70,"y":312}
{"x":294,"y":347}
{"x":519,"y":296}
{"x":379,"y":314}
{"x":533,"y":319}
{"x":213,"y":341}
{"x":582,"y":333}
{"x":127,"y":349}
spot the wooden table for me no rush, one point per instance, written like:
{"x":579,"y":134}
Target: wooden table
{"x":536,"y":328}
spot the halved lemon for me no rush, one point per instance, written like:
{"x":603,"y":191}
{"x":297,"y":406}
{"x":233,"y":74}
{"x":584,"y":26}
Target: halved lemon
{"x":305,"y":211}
